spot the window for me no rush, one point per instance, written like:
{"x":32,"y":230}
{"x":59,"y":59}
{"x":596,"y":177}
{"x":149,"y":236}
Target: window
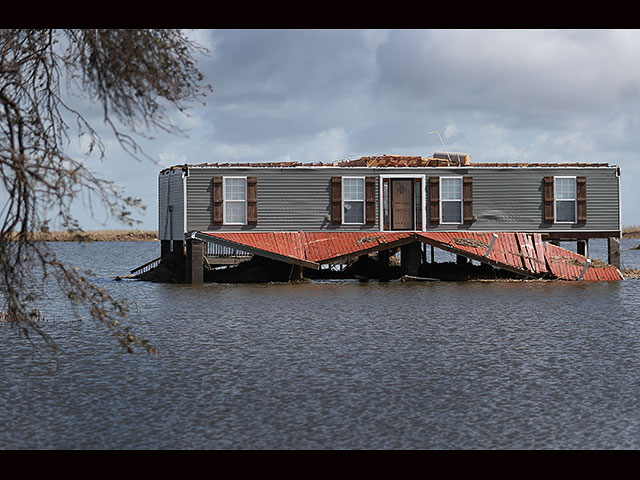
{"x":235,"y":200}
{"x":451,"y":199}
{"x":565,"y":199}
{"x":353,"y":201}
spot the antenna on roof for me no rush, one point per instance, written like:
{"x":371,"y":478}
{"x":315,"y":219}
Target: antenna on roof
{"x":442,"y":142}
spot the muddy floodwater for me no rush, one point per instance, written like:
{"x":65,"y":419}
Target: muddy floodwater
{"x":331,"y":365}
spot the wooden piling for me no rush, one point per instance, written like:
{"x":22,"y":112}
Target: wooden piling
{"x":613,"y":244}
{"x":165,"y":247}
{"x":383,"y":265}
{"x":177,"y":246}
{"x":195,"y":262}
{"x":410,"y":255}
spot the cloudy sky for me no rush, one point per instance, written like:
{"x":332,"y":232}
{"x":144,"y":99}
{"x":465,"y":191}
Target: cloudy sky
{"x":324,"y":95}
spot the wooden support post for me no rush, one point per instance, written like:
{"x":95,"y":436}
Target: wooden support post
{"x":410,"y":259}
{"x":296,"y":273}
{"x":195,"y":259}
{"x":582,"y":247}
{"x":433,"y":254}
{"x":383,"y":265}
{"x":461,"y":260}
{"x":178,"y":247}
{"x":165,"y":247}
{"x":613,"y":244}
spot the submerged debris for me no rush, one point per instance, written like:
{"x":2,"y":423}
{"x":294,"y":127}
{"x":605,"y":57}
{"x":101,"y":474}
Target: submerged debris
{"x":631,"y":272}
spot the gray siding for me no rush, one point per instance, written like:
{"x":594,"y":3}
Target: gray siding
{"x":171,"y":193}
{"x":505,"y":199}
{"x":289,"y":199}
{"x":512,"y":199}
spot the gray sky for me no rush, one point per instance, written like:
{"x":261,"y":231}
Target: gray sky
{"x":324,"y":95}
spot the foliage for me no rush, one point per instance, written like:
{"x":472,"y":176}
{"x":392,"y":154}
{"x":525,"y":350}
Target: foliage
{"x":136,"y":76}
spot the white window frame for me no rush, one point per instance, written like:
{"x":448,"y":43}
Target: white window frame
{"x":556,"y":200}
{"x":424,"y":205}
{"x":461,"y":201}
{"x":364,"y":201}
{"x":225,"y":201}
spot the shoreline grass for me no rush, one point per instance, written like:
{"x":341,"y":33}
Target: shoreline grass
{"x":631,"y":232}
{"x":96,"y":236}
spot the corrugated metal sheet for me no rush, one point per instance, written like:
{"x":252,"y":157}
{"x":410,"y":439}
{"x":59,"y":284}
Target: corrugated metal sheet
{"x":568,"y":265}
{"x":522,"y":253}
{"x":285,"y":244}
{"x":312,"y":247}
{"x":322,"y":247}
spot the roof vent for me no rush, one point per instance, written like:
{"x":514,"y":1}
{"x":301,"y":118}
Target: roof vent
{"x":459,"y":158}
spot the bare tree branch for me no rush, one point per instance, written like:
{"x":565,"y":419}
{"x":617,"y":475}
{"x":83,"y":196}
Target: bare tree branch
{"x":136,"y":76}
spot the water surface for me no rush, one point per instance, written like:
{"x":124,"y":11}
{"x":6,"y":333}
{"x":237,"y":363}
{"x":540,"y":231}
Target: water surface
{"x":332,"y":365}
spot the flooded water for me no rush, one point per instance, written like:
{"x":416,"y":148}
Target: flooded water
{"x":332,"y":365}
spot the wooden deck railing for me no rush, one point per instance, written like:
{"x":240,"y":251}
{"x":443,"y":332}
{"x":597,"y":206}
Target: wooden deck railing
{"x":147,"y":266}
{"x":215,"y":250}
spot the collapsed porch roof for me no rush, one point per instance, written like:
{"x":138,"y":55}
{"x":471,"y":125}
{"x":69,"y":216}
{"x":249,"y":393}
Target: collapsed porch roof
{"x":522,"y":253}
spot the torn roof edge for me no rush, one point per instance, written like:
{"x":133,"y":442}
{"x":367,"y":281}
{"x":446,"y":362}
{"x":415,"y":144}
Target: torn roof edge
{"x":390,"y":161}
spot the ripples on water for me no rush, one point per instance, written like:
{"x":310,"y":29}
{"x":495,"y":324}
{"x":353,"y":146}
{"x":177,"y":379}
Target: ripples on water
{"x":337,"y":365}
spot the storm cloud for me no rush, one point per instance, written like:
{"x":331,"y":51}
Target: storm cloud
{"x":324,"y":95}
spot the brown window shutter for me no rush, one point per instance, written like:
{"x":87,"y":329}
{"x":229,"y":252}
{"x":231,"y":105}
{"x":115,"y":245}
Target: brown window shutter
{"x":417,"y":194}
{"x":217,"y":200}
{"x":252,"y":200}
{"x":581,"y":197}
{"x":548,"y":200}
{"x":386,"y":204}
{"x":336,"y":200}
{"x":467,"y":199}
{"x":434,"y":200}
{"x":370,"y":199}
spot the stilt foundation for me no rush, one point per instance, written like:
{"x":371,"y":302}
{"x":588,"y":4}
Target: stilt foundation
{"x":194,"y":271}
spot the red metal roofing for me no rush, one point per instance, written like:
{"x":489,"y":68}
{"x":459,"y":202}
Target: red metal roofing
{"x":569,"y":265}
{"x":518,"y":252}
{"x":522,"y":252}
{"x":316,"y":247}
{"x":285,"y":244}
{"x":322,"y":247}
{"x":504,"y":253}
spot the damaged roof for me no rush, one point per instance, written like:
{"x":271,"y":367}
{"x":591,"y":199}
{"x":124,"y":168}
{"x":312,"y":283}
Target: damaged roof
{"x":438,"y":159}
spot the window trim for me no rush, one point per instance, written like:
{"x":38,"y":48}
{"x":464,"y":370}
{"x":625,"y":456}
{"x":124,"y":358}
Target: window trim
{"x":225,"y":201}
{"x":460,"y":179}
{"x":556,"y":200}
{"x":364,"y":200}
